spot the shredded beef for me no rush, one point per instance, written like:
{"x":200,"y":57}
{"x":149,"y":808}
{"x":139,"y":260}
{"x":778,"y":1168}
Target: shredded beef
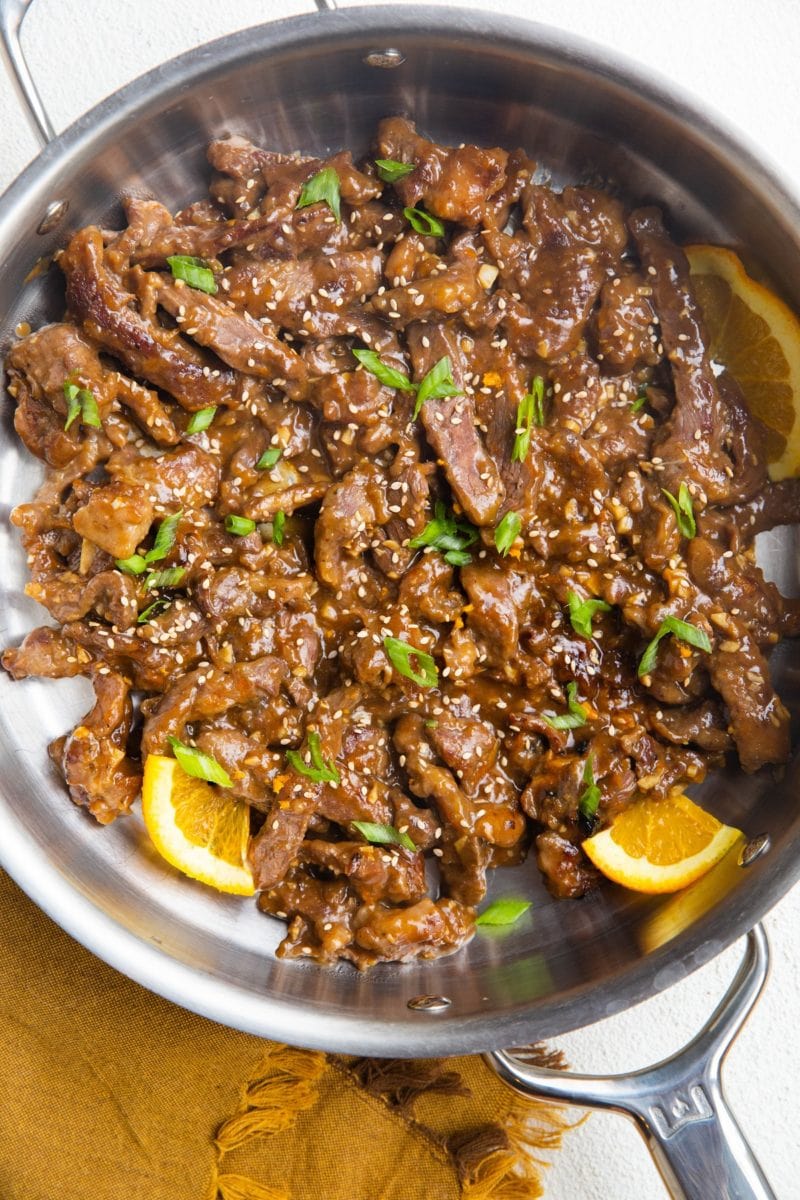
{"x":336,"y":587}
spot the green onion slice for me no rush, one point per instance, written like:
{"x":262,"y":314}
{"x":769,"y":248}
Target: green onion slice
{"x":383,"y":835}
{"x":590,"y":797}
{"x":400,"y":655}
{"x":639,"y":402}
{"x":507,"y":532}
{"x":423,"y":222}
{"x":371,"y":361}
{"x":81,"y":403}
{"x":135,"y":565}
{"x":684,"y":512}
{"x":322,"y":188}
{"x":447,"y":535}
{"x":153,"y":610}
{"x":269,"y":459}
{"x":505,"y":911}
{"x":201,"y":420}
{"x":582,"y":611}
{"x":165,"y":537}
{"x":680,"y":629}
{"x":199,"y":765}
{"x":194,"y":271}
{"x":278,"y":526}
{"x":530,"y":412}
{"x":390,"y":170}
{"x":574,"y":718}
{"x":241,"y":526}
{"x":170,"y":577}
{"x":437,"y":384}
{"x":318,"y":769}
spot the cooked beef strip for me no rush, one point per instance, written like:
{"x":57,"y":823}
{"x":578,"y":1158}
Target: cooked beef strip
{"x":263,"y":639}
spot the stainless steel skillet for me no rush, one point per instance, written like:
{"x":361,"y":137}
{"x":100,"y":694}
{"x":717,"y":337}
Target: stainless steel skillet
{"x":319,"y":83}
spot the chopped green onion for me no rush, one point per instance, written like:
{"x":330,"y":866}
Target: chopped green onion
{"x":423,"y":222}
{"x":680,"y":629}
{"x":437,"y":384}
{"x":639,"y":402}
{"x":194,"y":271}
{"x":158,"y":606}
{"x":319,"y":771}
{"x":505,"y":911}
{"x":269,"y":459}
{"x":164,"y":541}
{"x":201,"y":420}
{"x":135,"y":565}
{"x":400,"y":654}
{"x":447,"y":535}
{"x":371,"y":362}
{"x":241,"y":526}
{"x":530,"y":412}
{"x":170,"y":577}
{"x":684,"y":512}
{"x":390,"y":170}
{"x":590,"y":797}
{"x":582,"y":611}
{"x":81,"y":403}
{"x":507,"y":532}
{"x":322,"y":187}
{"x":383,"y":835}
{"x":165,"y":537}
{"x":574,"y":718}
{"x":278,"y":526}
{"x":199,"y":765}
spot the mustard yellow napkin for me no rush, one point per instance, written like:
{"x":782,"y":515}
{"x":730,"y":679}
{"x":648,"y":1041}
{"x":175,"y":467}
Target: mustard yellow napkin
{"x":111,"y":1093}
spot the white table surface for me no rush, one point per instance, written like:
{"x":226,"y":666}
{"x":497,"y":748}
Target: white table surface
{"x":742,"y":58}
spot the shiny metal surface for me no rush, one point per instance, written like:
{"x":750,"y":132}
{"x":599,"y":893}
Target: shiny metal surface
{"x":677,"y":1104}
{"x":12,"y":15}
{"x":303,"y":83}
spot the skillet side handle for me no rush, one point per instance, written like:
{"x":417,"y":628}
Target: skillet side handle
{"x":677,"y":1104}
{"x":12,"y":14}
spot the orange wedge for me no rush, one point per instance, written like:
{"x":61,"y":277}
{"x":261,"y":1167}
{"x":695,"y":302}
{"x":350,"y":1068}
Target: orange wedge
{"x":757,"y":338}
{"x":660,"y":845}
{"x":196,"y":827}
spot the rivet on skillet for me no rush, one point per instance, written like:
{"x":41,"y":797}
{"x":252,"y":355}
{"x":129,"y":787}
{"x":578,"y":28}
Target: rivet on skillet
{"x":388,"y":59}
{"x":429,"y":1003}
{"x":754,"y":849}
{"x":52,"y":215}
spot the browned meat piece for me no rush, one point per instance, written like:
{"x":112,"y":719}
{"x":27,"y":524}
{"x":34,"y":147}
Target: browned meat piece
{"x":626,"y":333}
{"x":706,"y":438}
{"x":69,"y":597}
{"x":454,"y":184}
{"x":116,"y":518}
{"x":346,"y":524}
{"x":351,"y":396}
{"x":207,"y":692}
{"x":48,"y":653}
{"x":237,"y":339}
{"x":441,"y":294}
{"x":93,"y":758}
{"x":38,"y":367}
{"x":107,"y":314}
{"x":759,"y":722}
{"x":375,"y":872}
{"x":187,"y":477}
{"x":422,"y":930}
{"x":568,"y":873}
{"x":701,"y":726}
{"x":427,"y":589}
{"x":450,"y":425}
{"x":776,"y":504}
{"x":278,"y":842}
{"x":153,"y":416}
{"x":738,"y":585}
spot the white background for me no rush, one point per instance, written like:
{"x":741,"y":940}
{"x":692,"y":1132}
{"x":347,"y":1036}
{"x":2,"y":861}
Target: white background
{"x":742,"y":57}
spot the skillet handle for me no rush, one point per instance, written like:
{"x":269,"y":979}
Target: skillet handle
{"x":12,"y":15}
{"x":677,"y":1104}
